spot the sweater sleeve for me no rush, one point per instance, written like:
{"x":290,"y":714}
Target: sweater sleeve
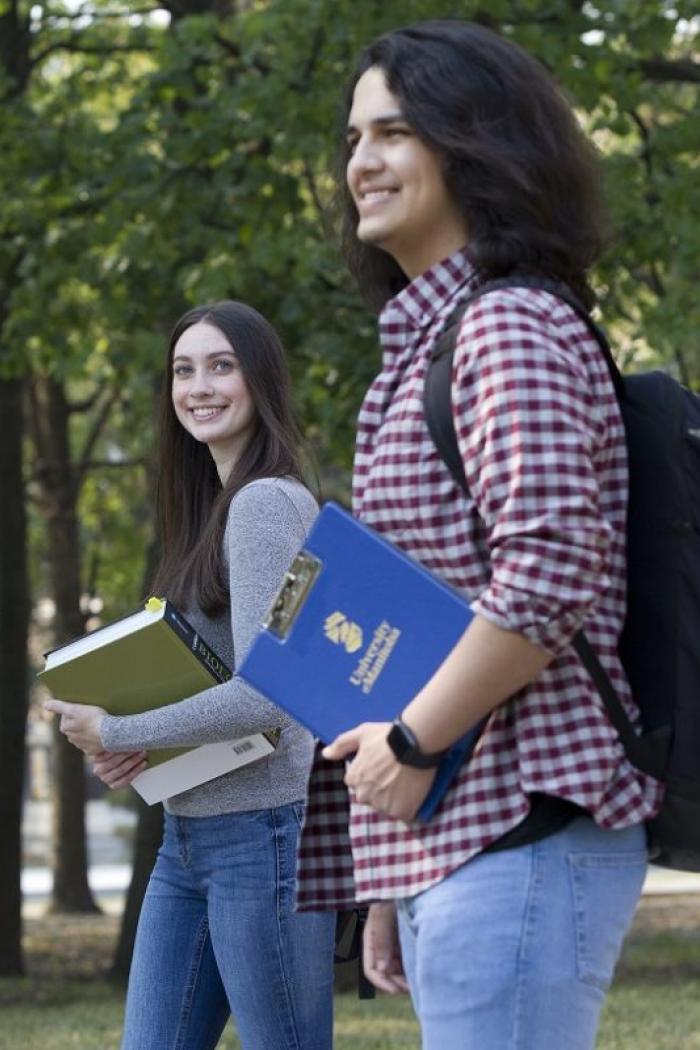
{"x":264,"y":531}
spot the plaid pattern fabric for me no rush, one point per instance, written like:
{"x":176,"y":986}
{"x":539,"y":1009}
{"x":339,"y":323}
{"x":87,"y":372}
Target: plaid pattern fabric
{"x":538,"y":545}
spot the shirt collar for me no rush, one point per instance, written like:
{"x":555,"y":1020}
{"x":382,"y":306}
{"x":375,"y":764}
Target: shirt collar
{"x":420,"y":302}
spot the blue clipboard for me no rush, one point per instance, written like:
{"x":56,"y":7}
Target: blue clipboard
{"x":356,"y":630}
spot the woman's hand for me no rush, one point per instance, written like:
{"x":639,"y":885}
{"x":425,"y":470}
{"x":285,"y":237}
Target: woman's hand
{"x":381,"y":951}
{"x":81,"y":723}
{"x":118,"y":768}
{"x":375,"y":776}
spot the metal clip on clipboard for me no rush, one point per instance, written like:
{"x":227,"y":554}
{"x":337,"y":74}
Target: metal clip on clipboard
{"x":289,"y":601}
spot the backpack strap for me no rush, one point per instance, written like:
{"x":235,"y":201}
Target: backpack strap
{"x":648,"y":752}
{"x":642,"y":751}
{"x":437,"y":396}
{"x":349,"y":932}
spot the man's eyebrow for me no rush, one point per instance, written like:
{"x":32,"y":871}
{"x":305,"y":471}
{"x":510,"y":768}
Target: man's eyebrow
{"x":388,"y":118}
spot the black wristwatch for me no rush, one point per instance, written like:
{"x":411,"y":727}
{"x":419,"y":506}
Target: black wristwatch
{"x":405,"y":747}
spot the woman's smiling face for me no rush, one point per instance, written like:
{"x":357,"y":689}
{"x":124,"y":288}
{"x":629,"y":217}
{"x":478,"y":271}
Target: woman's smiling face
{"x":209,"y":392}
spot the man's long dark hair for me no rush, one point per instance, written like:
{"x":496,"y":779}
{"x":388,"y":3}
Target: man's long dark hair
{"x":514,"y":158}
{"x":191,"y":503}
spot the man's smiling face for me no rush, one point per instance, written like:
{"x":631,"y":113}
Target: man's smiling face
{"x":396,"y":182}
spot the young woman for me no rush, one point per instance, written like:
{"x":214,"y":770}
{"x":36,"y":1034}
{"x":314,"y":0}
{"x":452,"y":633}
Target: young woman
{"x":218,"y":934}
{"x":465,"y":163}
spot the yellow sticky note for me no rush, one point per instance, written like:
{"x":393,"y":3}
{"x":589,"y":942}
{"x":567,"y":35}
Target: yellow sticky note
{"x":154,"y":604}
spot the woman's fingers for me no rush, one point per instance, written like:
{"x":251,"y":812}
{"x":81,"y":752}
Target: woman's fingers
{"x":118,"y":768}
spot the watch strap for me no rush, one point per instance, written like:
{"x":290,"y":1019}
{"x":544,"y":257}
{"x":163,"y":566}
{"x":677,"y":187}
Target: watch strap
{"x":406,"y":749}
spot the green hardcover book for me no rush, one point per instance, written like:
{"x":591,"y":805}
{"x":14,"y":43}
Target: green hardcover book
{"x":146,"y":660}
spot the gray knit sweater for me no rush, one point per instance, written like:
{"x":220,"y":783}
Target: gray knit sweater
{"x":267,"y":523}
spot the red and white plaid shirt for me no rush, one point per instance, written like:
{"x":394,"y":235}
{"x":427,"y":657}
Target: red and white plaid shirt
{"x":538,"y":545}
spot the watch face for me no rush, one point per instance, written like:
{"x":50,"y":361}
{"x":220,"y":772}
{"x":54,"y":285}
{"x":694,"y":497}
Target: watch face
{"x":405,"y":747}
{"x":399,"y":741}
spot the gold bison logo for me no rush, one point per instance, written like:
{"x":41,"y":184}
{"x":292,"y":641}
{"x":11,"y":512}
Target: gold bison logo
{"x":337,"y":628}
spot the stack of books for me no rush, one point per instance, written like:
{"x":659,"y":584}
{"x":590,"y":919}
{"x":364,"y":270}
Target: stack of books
{"x":146,"y":660}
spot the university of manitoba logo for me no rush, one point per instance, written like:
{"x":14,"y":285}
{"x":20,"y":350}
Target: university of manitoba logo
{"x":337,"y":628}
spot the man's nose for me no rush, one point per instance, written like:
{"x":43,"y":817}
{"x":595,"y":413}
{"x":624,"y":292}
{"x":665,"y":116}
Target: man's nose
{"x":365,"y":156}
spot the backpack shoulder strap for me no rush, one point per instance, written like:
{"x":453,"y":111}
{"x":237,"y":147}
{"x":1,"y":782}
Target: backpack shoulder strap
{"x":437,"y":395}
{"x":437,"y":407}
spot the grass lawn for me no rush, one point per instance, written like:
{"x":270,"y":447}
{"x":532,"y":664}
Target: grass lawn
{"x":65,"y":1003}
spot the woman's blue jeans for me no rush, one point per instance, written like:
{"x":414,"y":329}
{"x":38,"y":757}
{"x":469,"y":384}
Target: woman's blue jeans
{"x":218,"y":935}
{"x":516,"y":949}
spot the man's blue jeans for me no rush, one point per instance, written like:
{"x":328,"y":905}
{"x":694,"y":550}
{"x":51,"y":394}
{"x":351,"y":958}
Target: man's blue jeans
{"x":516,"y":949}
{"x":218,"y":935}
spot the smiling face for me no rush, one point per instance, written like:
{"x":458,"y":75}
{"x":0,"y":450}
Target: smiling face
{"x":210,"y":396}
{"x":396,"y":182}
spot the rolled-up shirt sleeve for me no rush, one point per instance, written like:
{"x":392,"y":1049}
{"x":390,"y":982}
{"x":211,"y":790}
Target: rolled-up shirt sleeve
{"x":529,"y":432}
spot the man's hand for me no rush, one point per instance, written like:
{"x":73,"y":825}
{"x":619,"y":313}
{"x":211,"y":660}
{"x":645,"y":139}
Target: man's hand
{"x":118,"y":768}
{"x":381,"y":952}
{"x":80,"y":723}
{"x":375,"y":776}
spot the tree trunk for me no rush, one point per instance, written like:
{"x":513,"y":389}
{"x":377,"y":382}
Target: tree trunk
{"x":149,"y":832}
{"x":15,"y":65}
{"x":71,"y":891}
{"x":14,"y":672}
{"x":58,"y":497}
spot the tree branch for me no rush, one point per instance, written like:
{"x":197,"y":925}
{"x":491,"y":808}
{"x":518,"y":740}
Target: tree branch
{"x":651,"y":279}
{"x":36,"y":419}
{"x":234,"y":50}
{"x":645,"y":137}
{"x":228,"y":45}
{"x":317,"y":44}
{"x":35,"y":476}
{"x":112,"y":464}
{"x":657,"y":283}
{"x":663,"y":70}
{"x":88,"y":49}
{"x":78,"y":407}
{"x":98,"y":424}
{"x":315,"y":197}
{"x":94,"y":14}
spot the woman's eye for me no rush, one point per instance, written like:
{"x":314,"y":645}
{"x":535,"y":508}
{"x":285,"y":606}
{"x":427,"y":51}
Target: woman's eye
{"x":181,"y":370}
{"x":223,"y":365}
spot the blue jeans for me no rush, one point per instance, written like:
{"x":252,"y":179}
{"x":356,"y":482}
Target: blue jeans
{"x":218,"y":935}
{"x":516,"y":949}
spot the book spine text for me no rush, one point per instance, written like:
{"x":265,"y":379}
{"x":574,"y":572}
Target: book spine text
{"x":204,"y":653}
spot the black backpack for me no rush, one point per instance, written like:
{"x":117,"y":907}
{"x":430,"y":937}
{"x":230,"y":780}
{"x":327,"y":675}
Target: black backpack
{"x":660,"y":643}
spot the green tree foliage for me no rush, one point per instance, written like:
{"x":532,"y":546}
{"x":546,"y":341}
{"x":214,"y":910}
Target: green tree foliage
{"x":192,"y":160}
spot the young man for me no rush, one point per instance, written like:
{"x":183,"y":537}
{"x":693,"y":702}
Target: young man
{"x":464,"y":163}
